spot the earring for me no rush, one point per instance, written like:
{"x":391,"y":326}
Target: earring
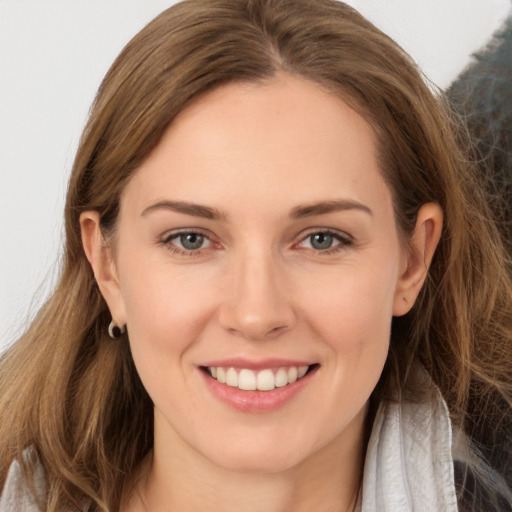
{"x":114,"y":331}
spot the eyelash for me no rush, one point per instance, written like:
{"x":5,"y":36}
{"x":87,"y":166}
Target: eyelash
{"x":167,"y":242}
{"x":343,"y":239}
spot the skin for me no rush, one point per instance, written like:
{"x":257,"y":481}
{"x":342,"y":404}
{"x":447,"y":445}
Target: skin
{"x":259,"y":289}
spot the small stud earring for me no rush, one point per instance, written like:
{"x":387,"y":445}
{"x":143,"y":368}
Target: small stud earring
{"x":114,"y":331}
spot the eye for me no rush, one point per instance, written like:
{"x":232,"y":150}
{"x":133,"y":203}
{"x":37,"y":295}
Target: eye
{"x":187,"y":242}
{"x":325,"y":241}
{"x":321,"y":241}
{"x":192,"y":241}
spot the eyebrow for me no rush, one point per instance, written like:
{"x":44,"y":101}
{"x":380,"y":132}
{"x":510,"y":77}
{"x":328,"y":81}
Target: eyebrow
{"x":324,"y":207}
{"x":207,"y":212}
{"x":187,"y":208}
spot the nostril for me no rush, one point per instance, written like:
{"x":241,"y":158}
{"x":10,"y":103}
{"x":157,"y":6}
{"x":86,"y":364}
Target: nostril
{"x":258,"y":334}
{"x":278,"y":330}
{"x":253,"y":327}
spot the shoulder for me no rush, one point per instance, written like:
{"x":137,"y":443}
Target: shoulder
{"x":16,"y":495}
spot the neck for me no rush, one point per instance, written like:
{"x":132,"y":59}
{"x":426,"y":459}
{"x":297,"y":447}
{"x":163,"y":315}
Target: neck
{"x":184,"y":480}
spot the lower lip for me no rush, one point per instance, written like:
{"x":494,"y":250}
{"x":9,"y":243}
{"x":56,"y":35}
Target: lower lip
{"x":256,"y":401}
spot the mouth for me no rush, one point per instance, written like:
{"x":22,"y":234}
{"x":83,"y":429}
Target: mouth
{"x":257,"y":387}
{"x":266,"y":379}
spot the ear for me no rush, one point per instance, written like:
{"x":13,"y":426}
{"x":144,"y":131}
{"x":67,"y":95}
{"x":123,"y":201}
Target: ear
{"x":418,"y":256}
{"x":102,"y":262}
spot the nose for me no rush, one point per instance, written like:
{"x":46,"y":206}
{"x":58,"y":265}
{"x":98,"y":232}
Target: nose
{"x":258,"y":304}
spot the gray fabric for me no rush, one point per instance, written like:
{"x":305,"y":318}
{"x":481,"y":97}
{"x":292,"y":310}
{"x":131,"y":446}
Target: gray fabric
{"x":409,"y":464}
{"x":16,"y":496}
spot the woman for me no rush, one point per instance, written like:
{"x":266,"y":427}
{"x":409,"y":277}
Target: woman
{"x":281,"y":288}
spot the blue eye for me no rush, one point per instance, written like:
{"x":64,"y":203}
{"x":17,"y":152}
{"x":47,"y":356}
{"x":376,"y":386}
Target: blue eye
{"x":321,"y":241}
{"x":191,"y":241}
{"x":187,"y":242}
{"x":325,"y":241}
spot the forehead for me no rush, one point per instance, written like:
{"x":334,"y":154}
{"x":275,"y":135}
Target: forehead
{"x":261,"y":143}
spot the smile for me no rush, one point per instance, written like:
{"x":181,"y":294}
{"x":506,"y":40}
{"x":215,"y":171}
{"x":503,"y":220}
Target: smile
{"x":262,"y":380}
{"x":257,"y":387}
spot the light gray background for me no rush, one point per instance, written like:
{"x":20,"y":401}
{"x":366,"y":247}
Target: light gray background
{"x":53,"y":54}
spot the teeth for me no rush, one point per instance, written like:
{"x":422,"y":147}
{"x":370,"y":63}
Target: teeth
{"x":292,"y":374}
{"x":247,"y":380}
{"x":232,"y":378}
{"x":281,"y":378}
{"x":221,"y":375}
{"x":302,"y":371}
{"x":264,"y":380}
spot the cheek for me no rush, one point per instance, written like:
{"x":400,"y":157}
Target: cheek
{"x":352,"y":315}
{"x":163,"y":314}
{"x":352,"y":306}
{"x":166,"y":310}
{"x":166,"y":316}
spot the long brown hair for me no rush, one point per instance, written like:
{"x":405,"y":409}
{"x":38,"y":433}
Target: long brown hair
{"x":73,"y":394}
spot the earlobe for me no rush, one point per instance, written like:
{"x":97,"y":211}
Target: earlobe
{"x":100,"y":258}
{"x":423,"y":243}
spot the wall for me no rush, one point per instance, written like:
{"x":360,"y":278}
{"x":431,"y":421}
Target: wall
{"x":53,"y":55}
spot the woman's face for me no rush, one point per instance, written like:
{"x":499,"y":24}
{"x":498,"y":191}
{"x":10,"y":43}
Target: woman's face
{"x":258,"y":242}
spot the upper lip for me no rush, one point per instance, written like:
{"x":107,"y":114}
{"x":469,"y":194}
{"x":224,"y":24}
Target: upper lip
{"x":262,"y":364}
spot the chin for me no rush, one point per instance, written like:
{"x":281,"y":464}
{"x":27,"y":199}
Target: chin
{"x":259,"y":463}
{"x":270,"y":456}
